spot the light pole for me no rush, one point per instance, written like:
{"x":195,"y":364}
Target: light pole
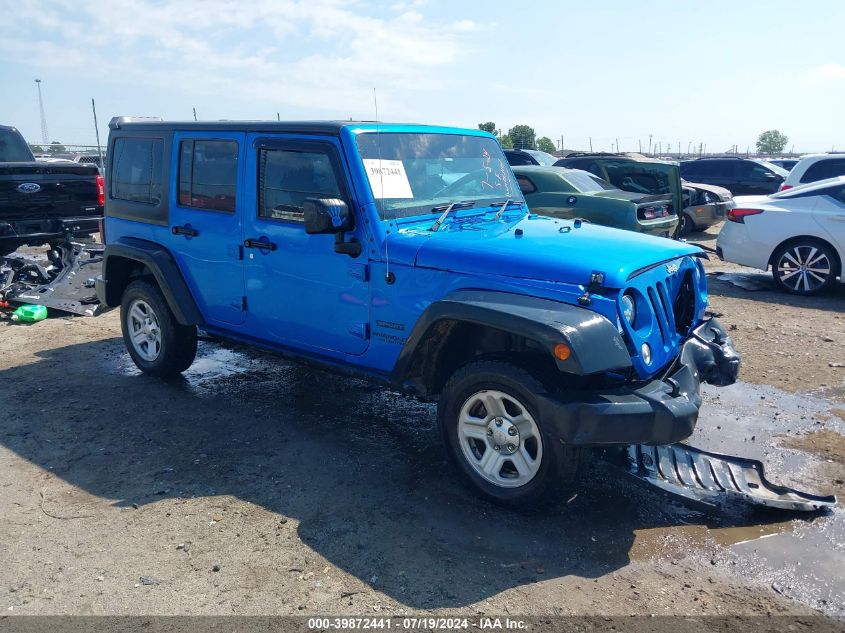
{"x":44,"y":136}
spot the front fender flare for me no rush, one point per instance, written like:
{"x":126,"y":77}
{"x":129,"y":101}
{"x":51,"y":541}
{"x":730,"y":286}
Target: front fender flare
{"x":595,"y":343}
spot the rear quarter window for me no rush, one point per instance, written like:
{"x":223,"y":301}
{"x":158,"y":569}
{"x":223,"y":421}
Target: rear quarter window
{"x":137,"y":179}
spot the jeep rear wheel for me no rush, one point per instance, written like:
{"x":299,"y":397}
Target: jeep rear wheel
{"x":492,"y":427}
{"x":157,"y":343}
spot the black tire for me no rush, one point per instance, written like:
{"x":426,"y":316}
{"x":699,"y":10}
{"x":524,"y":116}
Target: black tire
{"x":685,"y":225}
{"x":558,"y":464}
{"x":787,"y":273}
{"x":177,"y":346}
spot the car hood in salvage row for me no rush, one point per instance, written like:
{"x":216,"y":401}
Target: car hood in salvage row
{"x":546,"y":249}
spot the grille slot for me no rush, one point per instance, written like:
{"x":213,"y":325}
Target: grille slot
{"x":684,"y":305}
{"x":660,"y":314}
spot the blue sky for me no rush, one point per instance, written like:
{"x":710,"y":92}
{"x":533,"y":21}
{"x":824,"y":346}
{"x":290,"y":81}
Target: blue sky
{"x":711,"y":72}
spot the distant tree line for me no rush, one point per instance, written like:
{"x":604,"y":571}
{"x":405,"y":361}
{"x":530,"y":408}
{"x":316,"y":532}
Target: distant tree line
{"x":519,"y":137}
{"x":54,"y":148}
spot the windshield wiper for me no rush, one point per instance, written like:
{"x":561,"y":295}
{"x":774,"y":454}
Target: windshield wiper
{"x":505,"y":205}
{"x":447,"y":209}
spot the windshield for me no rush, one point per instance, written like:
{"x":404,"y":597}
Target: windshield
{"x":546,"y":160}
{"x":411,"y":173}
{"x":584,"y":181}
{"x":13,"y":149}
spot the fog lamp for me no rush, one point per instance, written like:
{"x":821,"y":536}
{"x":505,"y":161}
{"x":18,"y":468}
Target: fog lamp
{"x":645,"y":352}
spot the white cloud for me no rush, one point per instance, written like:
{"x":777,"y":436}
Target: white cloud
{"x":827,"y":73}
{"x":319,"y":54}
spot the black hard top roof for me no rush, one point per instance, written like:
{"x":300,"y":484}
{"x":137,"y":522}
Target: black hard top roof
{"x":310,"y":127}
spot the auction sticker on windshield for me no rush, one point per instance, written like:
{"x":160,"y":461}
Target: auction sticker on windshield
{"x":388,"y":178}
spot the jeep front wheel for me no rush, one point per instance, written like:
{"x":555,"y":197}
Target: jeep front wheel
{"x":491,"y":423}
{"x":157,"y":343}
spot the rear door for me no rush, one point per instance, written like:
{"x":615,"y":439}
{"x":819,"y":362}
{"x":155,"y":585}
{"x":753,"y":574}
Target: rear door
{"x":300,"y":292}
{"x":206,"y":215}
{"x":829,"y":211}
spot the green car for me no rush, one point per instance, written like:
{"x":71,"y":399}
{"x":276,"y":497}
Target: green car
{"x":573,"y":193}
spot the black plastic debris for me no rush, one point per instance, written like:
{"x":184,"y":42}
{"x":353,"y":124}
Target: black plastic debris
{"x":717,"y":481}
{"x":63,"y":282}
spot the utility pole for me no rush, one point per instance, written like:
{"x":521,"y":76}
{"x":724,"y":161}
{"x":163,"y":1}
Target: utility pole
{"x":700,"y":149}
{"x":617,"y":145}
{"x":591,"y":143}
{"x":278,"y":118}
{"x":649,"y":144}
{"x":44,"y":136}
{"x":640,"y":145}
{"x":97,"y":131}
{"x":195,"y":114}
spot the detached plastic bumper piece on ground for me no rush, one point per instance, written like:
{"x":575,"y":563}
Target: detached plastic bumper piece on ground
{"x":716,"y":481}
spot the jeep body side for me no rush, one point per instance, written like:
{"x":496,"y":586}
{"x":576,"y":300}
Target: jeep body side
{"x":406,"y":254}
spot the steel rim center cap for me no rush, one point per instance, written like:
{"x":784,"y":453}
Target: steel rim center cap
{"x":503,"y":435}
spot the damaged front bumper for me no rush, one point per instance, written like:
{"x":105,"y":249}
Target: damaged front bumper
{"x":716,"y":482}
{"x":662,"y":411}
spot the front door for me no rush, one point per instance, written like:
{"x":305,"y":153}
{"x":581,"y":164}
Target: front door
{"x":205,"y":221}
{"x":300,"y":292}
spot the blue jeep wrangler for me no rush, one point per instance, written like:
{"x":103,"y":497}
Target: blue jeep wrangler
{"x":406,"y":254}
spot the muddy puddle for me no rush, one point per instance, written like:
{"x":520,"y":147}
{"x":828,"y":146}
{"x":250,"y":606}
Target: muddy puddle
{"x":802,"y":558}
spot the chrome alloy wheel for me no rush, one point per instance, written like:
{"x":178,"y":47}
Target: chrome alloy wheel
{"x":144,"y":330}
{"x":804,"y":268}
{"x":500,"y":439}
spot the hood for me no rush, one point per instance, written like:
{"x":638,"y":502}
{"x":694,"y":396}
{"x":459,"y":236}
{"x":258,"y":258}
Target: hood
{"x":547,"y":249}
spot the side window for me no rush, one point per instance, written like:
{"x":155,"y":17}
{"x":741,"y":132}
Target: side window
{"x":287,"y":177}
{"x":592,"y":167}
{"x":516,"y":158}
{"x":824,"y":169}
{"x":136,"y":170}
{"x":208,"y":174}
{"x":753,"y":171}
{"x":525,"y":184}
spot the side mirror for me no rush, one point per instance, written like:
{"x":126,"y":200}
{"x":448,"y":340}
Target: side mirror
{"x":326,"y":215}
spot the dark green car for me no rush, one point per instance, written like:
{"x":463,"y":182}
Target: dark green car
{"x":572,"y":193}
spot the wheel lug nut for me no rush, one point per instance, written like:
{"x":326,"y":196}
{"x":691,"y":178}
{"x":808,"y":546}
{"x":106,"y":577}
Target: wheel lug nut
{"x":498,"y":421}
{"x":512,"y":431}
{"x":497,"y":448}
{"x":489,"y":432}
{"x":511,"y":448}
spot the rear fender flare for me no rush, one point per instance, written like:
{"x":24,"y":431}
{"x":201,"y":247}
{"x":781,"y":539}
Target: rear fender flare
{"x":160,"y":263}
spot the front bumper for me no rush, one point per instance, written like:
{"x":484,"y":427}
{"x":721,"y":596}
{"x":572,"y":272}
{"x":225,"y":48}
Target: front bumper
{"x":661,"y":411}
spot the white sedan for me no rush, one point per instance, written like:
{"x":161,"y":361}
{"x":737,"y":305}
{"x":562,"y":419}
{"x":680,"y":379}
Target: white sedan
{"x":799,"y":232}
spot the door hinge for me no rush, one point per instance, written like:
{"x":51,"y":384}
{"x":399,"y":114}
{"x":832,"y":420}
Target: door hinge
{"x":360,"y":330}
{"x":359,"y":271}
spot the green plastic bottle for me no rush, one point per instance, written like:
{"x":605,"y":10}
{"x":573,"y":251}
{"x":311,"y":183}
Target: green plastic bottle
{"x":29,"y":314}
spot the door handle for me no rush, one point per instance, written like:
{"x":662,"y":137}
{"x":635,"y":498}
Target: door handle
{"x":260,"y":244}
{"x":186,"y":230}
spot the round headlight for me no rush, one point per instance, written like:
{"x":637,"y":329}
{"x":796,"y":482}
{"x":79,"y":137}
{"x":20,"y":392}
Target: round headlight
{"x":629,"y":309}
{"x":645,"y":352}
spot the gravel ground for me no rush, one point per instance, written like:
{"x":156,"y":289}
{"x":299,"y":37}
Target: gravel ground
{"x":243,"y":489}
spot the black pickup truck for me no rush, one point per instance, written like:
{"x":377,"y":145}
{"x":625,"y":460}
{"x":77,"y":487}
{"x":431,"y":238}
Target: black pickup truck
{"x":44,"y":202}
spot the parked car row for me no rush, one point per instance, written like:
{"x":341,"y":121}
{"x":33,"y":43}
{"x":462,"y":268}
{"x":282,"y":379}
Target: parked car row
{"x":799,"y":233}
